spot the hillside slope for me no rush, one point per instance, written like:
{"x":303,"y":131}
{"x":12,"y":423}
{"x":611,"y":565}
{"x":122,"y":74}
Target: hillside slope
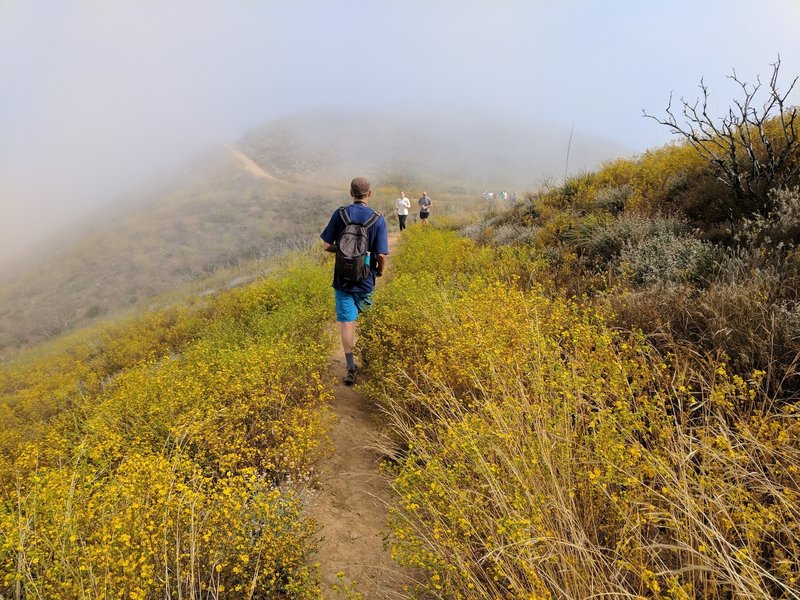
{"x":222,"y":214}
{"x":271,"y":189}
{"x":165,"y":455}
{"x":543,"y":451}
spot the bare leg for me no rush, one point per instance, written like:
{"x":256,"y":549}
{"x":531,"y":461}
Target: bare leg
{"x":348,"y":331}
{"x":348,"y":343}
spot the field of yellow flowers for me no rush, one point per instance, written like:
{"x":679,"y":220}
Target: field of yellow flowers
{"x":540,"y":449}
{"x":543,"y":453}
{"x":162,"y":457}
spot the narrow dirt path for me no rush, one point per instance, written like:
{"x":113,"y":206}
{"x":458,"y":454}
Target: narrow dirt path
{"x":351,"y":498}
{"x":251,"y":166}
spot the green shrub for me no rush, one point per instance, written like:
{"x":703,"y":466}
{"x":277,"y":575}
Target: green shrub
{"x":601,"y":240}
{"x":667,"y":258}
{"x":613,"y":198}
{"x":779,"y":228}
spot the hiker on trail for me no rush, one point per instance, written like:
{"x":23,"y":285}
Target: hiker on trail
{"x":402,"y":204}
{"x":358,"y":236}
{"x":424,"y":208}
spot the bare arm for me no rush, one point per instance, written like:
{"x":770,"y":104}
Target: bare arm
{"x":381,"y":264}
{"x":328,"y":247}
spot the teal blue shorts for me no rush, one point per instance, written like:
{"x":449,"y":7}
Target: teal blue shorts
{"x":349,"y":304}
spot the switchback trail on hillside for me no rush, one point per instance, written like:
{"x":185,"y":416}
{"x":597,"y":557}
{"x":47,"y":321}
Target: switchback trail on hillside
{"x":351,"y":498}
{"x":251,"y":166}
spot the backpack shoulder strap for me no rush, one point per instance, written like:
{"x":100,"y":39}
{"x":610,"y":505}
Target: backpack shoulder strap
{"x":371,"y":221}
{"x":345,"y":217}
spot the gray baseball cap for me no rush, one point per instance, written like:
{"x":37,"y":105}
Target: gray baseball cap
{"x":360,"y":187}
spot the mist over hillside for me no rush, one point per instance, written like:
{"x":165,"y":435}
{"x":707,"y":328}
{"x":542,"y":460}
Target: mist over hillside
{"x":213,"y":215}
{"x":231,"y":204}
{"x":465,"y":148}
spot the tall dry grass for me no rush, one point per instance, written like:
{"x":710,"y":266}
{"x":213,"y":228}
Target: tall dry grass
{"x":542,"y":453}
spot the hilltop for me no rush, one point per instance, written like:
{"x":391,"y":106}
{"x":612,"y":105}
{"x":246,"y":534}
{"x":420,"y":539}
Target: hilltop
{"x":459,"y":148}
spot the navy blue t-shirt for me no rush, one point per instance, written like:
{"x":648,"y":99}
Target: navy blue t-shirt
{"x":378,"y":243}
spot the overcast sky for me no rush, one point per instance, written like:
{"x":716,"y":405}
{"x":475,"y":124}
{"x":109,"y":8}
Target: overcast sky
{"x":96,"y":95}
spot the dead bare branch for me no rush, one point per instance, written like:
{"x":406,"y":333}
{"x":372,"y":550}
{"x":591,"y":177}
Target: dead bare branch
{"x":751,"y":150}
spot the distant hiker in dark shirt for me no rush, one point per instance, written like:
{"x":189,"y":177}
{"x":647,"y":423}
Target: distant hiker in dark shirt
{"x":424,"y":208}
{"x":353,"y":296}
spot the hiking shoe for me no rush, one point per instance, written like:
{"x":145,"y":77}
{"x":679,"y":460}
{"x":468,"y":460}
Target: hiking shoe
{"x":350,"y":378}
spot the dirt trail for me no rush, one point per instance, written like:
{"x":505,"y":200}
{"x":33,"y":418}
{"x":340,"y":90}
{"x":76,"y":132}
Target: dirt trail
{"x":251,"y":166}
{"x":351,"y":498}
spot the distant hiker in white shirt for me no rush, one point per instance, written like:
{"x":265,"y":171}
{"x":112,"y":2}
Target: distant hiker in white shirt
{"x":402,"y":204}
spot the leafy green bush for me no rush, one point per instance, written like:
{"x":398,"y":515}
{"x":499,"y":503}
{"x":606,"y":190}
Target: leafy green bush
{"x":500,"y":233}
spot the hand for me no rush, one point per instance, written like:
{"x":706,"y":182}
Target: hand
{"x":378,"y":273}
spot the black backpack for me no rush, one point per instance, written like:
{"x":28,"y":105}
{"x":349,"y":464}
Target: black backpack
{"x":352,"y":248}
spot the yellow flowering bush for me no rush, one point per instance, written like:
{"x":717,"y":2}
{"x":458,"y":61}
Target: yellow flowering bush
{"x":651,"y":176}
{"x":541,"y":453}
{"x":167,"y":459}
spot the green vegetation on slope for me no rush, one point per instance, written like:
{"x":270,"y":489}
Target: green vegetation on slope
{"x":223,"y":217}
{"x":546,"y":448}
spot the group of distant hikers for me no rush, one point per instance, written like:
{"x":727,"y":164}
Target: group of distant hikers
{"x":359,"y":237}
{"x":487,"y":195}
{"x":402,"y":204}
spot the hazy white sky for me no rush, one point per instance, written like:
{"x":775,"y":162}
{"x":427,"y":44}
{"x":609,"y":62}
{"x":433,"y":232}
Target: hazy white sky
{"x":96,"y":95}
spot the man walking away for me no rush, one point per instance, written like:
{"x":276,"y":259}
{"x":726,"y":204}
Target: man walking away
{"x":424,"y":208}
{"x":402,"y":204}
{"x":351,"y":230}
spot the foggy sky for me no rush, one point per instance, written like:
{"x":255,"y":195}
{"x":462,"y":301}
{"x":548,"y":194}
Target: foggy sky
{"x":96,"y":96}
